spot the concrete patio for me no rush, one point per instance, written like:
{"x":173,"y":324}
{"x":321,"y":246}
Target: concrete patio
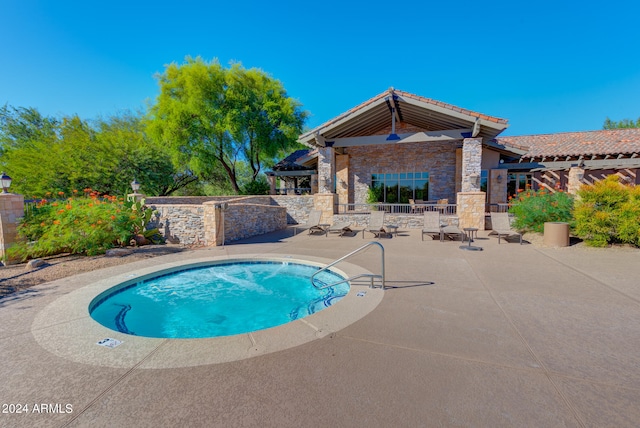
{"x":514,"y":335}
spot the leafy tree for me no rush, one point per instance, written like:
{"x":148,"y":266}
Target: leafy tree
{"x":215,"y":118}
{"x":624,"y":123}
{"x":50,"y":155}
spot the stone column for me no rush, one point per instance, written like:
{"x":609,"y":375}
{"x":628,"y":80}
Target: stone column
{"x":498,"y":186}
{"x":326,"y":203}
{"x":576,"y":174}
{"x":136,"y":197}
{"x":213,"y":224}
{"x":11,"y":211}
{"x":471,"y":209}
{"x":342,"y":175}
{"x":471,"y":164}
{"x":326,"y":168}
{"x":271,"y":178}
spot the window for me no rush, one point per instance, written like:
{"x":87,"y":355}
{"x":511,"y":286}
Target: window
{"x":484,"y":183}
{"x":395,"y":188}
{"x":517,"y":182}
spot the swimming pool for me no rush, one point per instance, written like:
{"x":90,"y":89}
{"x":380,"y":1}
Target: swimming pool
{"x":221,"y":299}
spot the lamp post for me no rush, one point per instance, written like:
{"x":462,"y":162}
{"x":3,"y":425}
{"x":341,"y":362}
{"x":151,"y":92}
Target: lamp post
{"x":6,"y":182}
{"x":135,"y":185}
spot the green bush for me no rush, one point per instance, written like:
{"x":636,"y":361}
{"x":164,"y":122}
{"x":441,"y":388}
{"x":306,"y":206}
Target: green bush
{"x":532,"y":209}
{"x":608,"y":212}
{"x":87,"y":224}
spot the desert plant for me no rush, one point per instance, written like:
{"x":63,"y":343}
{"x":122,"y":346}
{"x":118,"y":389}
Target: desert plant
{"x":86,"y":224}
{"x":533,"y":209}
{"x":608,"y":212}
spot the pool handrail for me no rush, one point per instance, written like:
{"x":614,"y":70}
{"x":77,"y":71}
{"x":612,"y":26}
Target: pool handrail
{"x":369,"y":275}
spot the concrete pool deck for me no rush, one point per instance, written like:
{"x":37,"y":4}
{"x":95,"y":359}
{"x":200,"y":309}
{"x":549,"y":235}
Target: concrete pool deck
{"x":510,"y":336}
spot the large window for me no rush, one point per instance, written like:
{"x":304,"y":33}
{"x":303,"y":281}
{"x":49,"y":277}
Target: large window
{"x":518,"y":182}
{"x":400,"y":187}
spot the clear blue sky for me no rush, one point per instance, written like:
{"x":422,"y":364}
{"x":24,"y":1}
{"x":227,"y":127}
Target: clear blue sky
{"x":547,"y":66}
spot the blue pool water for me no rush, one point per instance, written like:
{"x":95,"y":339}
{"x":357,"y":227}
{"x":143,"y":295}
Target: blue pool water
{"x":217,"y":300}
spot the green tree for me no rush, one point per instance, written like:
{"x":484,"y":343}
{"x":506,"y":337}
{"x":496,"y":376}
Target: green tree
{"x":624,"y":123}
{"x":50,"y":155}
{"x":216,"y":118}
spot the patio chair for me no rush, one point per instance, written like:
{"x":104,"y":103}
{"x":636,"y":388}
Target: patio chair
{"x":432,"y":224}
{"x":313,"y":223}
{"x":502,"y":226}
{"x":340,"y":228}
{"x":376,"y":224}
{"x":415,"y":206}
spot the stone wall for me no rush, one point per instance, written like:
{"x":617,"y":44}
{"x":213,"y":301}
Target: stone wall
{"x":179,"y":224}
{"x":184,"y":200}
{"x":241,"y":221}
{"x":436,"y":158}
{"x":298,"y":207}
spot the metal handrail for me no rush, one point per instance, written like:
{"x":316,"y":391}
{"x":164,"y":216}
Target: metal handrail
{"x":372,"y":276}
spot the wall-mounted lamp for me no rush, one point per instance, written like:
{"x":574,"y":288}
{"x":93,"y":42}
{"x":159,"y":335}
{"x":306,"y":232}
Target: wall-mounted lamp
{"x":5,"y":181}
{"x":580,"y":175}
{"x":499,"y":178}
{"x":474,"y":179}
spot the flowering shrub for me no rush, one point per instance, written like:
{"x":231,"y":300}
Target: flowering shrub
{"x":608,"y":212}
{"x":86,"y":224}
{"x":532,"y":209}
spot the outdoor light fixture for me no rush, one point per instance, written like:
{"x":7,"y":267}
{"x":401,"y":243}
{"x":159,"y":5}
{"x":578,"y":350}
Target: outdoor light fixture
{"x":499,"y":178}
{"x":474,"y":180}
{"x":6,"y":182}
{"x":135,"y":185}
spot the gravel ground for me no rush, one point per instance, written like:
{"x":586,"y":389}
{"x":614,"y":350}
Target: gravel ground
{"x":17,"y":277}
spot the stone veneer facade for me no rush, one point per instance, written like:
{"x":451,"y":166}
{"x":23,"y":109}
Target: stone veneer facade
{"x":436,"y":158}
{"x":11,"y":210}
{"x":471,"y":209}
{"x":471,"y":164}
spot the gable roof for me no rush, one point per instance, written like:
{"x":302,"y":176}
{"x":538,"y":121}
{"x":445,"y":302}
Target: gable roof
{"x":374,"y":116}
{"x":610,"y":142}
{"x":293,"y":162}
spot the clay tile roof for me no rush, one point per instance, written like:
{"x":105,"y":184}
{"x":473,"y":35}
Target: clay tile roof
{"x":606,"y":142}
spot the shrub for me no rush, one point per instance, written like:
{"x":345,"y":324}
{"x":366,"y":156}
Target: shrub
{"x":532,"y":209}
{"x":608,"y":212}
{"x":87,"y":224}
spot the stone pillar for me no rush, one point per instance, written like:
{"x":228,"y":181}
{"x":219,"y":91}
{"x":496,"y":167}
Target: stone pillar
{"x":471,"y":209}
{"x":326,"y":203}
{"x":326,"y":168}
{"x":136,"y":197}
{"x":471,"y":164}
{"x":213,"y":224}
{"x":11,"y":211}
{"x":498,"y":186}
{"x":271,"y":178}
{"x":576,"y":174}
{"x":342,"y":176}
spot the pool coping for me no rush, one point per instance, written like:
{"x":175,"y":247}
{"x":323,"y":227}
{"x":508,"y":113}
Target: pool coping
{"x":65,"y":328}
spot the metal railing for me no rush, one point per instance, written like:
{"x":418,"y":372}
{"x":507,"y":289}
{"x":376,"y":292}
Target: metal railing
{"x":496,"y":208}
{"x":446,"y":209}
{"x":362,"y":275}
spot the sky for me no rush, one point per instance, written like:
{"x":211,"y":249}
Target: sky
{"x":546,"y":66}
